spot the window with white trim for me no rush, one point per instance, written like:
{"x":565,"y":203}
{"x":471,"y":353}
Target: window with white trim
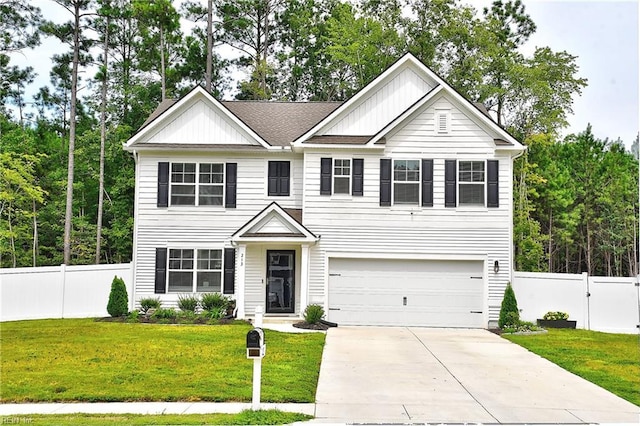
{"x":342,"y":176}
{"x":406,"y":181}
{"x":188,"y":275}
{"x":471,"y":182}
{"x":209,"y":186}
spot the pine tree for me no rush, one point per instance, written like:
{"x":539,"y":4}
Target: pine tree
{"x":118,"y":299}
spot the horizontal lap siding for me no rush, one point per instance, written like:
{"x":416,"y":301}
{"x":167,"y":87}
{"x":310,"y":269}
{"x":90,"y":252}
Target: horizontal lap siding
{"x":190,"y":226}
{"x":359,"y":224}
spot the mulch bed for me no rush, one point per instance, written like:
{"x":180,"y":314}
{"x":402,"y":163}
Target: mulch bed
{"x":305,"y":325}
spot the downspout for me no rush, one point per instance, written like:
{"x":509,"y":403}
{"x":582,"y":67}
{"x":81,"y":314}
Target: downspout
{"x":132,"y":304}
{"x":511,"y":246}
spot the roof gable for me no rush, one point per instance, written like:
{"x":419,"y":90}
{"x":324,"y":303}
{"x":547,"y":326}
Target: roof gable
{"x":197,"y":119}
{"x":401,"y":74}
{"x":273,"y":224}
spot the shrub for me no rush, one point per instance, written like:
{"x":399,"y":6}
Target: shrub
{"x":216,"y":313}
{"x":313,"y":314}
{"x":133,"y":316}
{"x":188,"y":303}
{"x":165,"y":313}
{"x":554,"y":316}
{"x":211,"y":301}
{"x":509,"y":305}
{"x":118,"y":299}
{"x":149,"y":303}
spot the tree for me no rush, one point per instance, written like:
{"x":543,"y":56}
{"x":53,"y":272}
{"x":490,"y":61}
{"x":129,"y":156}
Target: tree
{"x":71,"y":33}
{"x":159,"y":25}
{"x":118,"y":299}
{"x":509,"y":313}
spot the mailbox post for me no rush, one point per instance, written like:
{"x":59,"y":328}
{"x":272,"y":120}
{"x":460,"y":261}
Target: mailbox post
{"x":256,"y":348}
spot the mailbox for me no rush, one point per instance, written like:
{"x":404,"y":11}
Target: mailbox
{"x":255,"y":343}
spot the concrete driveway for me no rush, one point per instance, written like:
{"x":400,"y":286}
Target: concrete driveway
{"x":394,"y":374}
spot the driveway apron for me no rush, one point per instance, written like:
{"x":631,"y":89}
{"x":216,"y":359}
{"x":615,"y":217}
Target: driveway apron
{"x":396,"y":374}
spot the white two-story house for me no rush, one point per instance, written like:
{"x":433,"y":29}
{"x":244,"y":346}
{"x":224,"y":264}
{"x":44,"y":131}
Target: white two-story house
{"x":392,"y":208}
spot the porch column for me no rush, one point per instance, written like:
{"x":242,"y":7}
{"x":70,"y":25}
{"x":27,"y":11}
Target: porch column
{"x":304,"y":278}
{"x":240,"y":287}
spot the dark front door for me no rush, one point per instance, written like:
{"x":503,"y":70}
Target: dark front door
{"x":281,"y":281}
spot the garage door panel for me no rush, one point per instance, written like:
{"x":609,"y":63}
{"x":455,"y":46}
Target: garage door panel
{"x":438,"y":293}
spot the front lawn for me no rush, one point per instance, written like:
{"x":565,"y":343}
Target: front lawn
{"x":85,"y":360}
{"x":268,"y":417}
{"x":611,"y":361}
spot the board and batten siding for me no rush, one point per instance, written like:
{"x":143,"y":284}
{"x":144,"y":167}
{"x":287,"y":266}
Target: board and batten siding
{"x":383,"y":105}
{"x":360,"y":225}
{"x":200,"y":226}
{"x":198,"y":123}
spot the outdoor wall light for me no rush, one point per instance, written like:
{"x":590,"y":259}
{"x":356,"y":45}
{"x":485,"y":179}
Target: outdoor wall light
{"x":496,"y":267}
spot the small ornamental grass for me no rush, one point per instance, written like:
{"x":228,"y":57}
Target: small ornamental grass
{"x":313,"y":314}
{"x":188,"y":302}
{"x":149,"y":303}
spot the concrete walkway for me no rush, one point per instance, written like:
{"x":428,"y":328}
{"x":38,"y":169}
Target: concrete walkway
{"x":400,"y":375}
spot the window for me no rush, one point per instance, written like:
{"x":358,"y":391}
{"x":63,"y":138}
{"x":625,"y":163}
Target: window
{"x":342,"y":176}
{"x":406,"y":181}
{"x":278,"y":178}
{"x":183,"y":184}
{"x":471,"y":182}
{"x":186,"y":275}
{"x":209,"y":186}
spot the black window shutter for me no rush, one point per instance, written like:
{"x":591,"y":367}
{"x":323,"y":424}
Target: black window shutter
{"x":385,"y":181}
{"x":163,"y":184}
{"x":231,"y":184}
{"x":229,"y":270}
{"x":285,"y":173}
{"x":492,"y":184}
{"x":358,"y":172}
{"x":272,"y":178}
{"x":450,"y":183}
{"x":326,"y":166}
{"x":161,"y":271}
{"x":427,"y":183}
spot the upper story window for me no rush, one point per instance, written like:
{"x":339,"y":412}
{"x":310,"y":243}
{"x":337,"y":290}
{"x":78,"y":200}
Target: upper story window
{"x":279,"y":178}
{"x":471,"y":182}
{"x":209,"y":185}
{"x":341,"y":176}
{"x":406,"y":181}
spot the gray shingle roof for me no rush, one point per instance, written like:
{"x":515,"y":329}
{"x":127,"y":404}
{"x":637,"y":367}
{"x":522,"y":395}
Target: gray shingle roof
{"x":278,"y":123}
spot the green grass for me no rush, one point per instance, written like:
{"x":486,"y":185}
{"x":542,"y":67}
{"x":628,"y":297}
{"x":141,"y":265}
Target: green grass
{"x":84,"y":360}
{"x":611,"y":361}
{"x":268,"y":417}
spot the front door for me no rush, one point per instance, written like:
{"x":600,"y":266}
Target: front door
{"x":281,"y":281}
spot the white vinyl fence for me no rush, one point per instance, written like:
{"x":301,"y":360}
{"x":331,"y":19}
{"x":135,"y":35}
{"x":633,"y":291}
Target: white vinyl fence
{"x":609,"y":304}
{"x":60,"y":291}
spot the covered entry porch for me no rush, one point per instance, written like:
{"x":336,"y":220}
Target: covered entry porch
{"x":272,"y":263}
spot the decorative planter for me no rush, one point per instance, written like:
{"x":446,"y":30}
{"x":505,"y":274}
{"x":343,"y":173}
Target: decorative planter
{"x":557,"y":323}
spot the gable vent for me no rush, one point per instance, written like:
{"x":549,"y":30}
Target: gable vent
{"x":442,"y":121}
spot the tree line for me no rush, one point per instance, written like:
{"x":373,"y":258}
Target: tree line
{"x":576,"y":204}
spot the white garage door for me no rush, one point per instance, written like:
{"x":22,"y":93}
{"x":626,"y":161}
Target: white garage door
{"x":435,"y":293}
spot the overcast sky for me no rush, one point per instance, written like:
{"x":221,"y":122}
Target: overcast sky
{"x":602,"y":34}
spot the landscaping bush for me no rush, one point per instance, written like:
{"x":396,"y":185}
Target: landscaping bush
{"x":313,"y":314}
{"x":118,"y":299}
{"x":149,"y":303}
{"x":211,"y":301}
{"x":188,"y":303}
{"x":165,"y":313}
{"x":554,"y":316}
{"x":509,"y":306}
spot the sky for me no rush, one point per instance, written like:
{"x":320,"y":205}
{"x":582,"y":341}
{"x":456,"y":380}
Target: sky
{"x":602,"y":34}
